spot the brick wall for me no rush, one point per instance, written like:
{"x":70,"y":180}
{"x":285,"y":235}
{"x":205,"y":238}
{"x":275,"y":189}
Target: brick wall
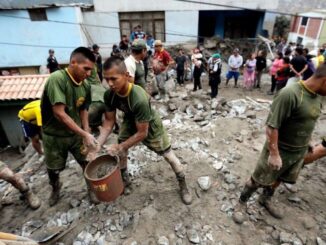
{"x":313,"y":28}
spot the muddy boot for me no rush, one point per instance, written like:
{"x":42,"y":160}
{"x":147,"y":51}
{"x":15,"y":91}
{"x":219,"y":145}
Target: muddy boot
{"x":246,"y":193}
{"x":92,"y":197}
{"x":184,"y":192}
{"x":265,"y":201}
{"x":32,"y":200}
{"x":56,"y":185}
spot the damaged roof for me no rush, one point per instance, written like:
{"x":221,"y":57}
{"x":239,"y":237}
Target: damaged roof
{"x":27,"y":87}
{"x":29,"y":4}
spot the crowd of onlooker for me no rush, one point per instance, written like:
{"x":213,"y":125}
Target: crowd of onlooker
{"x":290,"y":63}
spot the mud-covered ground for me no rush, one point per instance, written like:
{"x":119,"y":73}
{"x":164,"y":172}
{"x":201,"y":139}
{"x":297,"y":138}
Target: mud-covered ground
{"x":222,"y":144}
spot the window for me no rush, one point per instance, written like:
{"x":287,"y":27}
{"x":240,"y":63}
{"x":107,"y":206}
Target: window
{"x":37,"y":14}
{"x":299,"y":40}
{"x":151,"y":22}
{"x":304,"y":21}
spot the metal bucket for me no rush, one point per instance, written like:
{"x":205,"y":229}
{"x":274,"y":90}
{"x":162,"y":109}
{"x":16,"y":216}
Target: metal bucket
{"x":104,"y":177}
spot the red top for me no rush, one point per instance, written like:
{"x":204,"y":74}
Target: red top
{"x":161,"y":60}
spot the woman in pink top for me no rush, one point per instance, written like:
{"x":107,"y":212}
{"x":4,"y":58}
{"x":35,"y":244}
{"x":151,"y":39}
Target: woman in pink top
{"x":277,"y":64}
{"x":249,"y":72}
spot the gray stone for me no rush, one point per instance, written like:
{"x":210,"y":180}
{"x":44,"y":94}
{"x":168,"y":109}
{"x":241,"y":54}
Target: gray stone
{"x":294,"y":199}
{"x":77,"y":243}
{"x":72,"y":215}
{"x":238,"y":217}
{"x":308,"y":223}
{"x":85,"y":237}
{"x":230,"y":179}
{"x":172,"y":107}
{"x":320,"y":241}
{"x":193,"y":236}
{"x":251,"y":114}
{"x":204,"y":182}
{"x":74,"y":203}
{"x":101,"y":241}
{"x":200,"y":106}
{"x":276,"y":235}
{"x":163,"y":241}
{"x":289,"y":238}
{"x":203,"y":123}
{"x":198,"y":118}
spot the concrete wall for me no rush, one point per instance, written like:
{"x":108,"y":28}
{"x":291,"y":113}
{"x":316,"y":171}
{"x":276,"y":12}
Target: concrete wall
{"x":184,"y":24}
{"x":11,"y":125}
{"x":107,"y":34}
{"x":172,"y":5}
{"x":322,"y":36}
{"x":44,"y":33}
{"x":310,"y":43}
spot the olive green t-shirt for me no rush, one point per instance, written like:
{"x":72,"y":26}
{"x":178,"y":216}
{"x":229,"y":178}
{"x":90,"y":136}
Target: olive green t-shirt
{"x":136,"y":106}
{"x":97,"y":89}
{"x":59,"y":89}
{"x":294,"y":113}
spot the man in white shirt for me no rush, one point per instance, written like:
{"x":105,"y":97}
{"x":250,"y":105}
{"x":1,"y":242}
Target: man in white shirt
{"x":134,"y":62}
{"x":235,"y":62}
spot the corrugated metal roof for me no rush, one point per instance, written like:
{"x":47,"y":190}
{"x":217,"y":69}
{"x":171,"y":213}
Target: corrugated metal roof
{"x":28,"y":4}
{"x":28,"y":87}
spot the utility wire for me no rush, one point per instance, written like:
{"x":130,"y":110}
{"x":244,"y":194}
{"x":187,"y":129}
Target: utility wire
{"x":250,"y":9}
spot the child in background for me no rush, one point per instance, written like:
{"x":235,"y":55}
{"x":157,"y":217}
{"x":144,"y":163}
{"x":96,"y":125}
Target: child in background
{"x":283,"y":74}
{"x":249,"y":72}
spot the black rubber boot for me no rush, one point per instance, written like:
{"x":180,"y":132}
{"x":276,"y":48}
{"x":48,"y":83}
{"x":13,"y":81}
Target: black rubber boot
{"x":265,"y":201}
{"x":55,"y":183}
{"x":184,"y":192}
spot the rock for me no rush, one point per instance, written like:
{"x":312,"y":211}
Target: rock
{"x":204,"y":182}
{"x":163,"y":241}
{"x":320,"y":241}
{"x":31,"y":226}
{"x":221,"y":101}
{"x":85,"y":237}
{"x":276,"y":235}
{"x":101,"y":241}
{"x":200,"y":106}
{"x":308,"y":223}
{"x":172,"y":107}
{"x":198,"y":118}
{"x":74,"y":203}
{"x":193,"y":236}
{"x":238,"y":217}
{"x":77,"y":243}
{"x":239,"y":139}
{"x":203,"y":123}
{"x":289,"y":238}
{"x":163,"y":112}
{"x":294,"y":199}
{"x":251,"y":114}
{"x":229,"y":178}
{"x":173,"y":94}
{"x":191,"y":110}
{"x":72,"y":215}
{"x":218,"y":165}
{"x":244,"y":132}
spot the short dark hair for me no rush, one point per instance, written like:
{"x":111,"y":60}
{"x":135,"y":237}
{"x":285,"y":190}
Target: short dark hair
{"x":286,"y":60}
{"x":137,"y":51}
{"x":280,"y":55}
{"x":85,"y":52}
{"x":115,"y":61}
{"x":321,"y":50}
{"x":299,"y":51}
{"x":320,"y":71}
{"x":139,"y":26}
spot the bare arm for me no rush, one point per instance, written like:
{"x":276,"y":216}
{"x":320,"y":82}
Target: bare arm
{"x":62,"y":116}
{"x":107,"y":127}
{"x":84,"y":120}
{"x":274,"y":159}
{"x":317,"y":152}
{"x":272,"y":138}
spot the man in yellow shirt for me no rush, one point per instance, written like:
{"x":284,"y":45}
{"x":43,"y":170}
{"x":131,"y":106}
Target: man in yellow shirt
{"x":320,"y":57}
{"x":31,"y":121}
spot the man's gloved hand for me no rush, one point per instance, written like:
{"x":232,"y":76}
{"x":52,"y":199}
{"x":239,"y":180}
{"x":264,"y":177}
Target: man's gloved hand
{"x":116,"y":150}
{"x":275,"y":161}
